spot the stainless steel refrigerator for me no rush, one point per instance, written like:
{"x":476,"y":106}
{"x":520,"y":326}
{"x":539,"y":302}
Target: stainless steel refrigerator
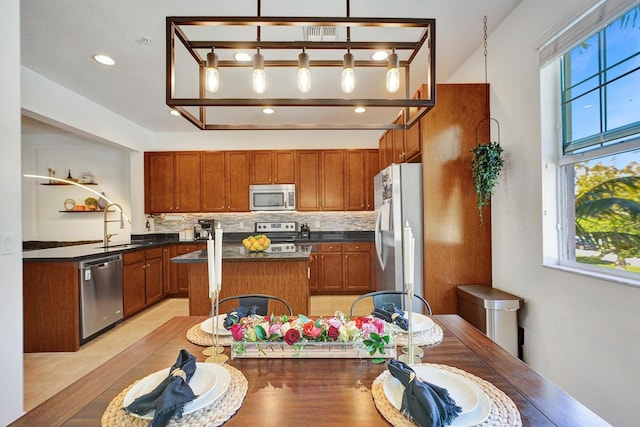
{"x":398,"y":201}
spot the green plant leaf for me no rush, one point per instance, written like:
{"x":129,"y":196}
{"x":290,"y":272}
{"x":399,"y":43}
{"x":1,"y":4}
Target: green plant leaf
{"x":260,"y":332}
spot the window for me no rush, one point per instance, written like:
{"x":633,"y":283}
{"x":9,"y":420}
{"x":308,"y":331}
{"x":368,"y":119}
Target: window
{"x":600,"y":160}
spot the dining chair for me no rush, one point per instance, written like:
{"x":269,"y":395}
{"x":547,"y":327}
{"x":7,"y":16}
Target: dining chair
{"x":259,"y":300}
{"x":386,"y":297}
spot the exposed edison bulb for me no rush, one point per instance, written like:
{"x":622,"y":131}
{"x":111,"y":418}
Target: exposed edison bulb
{"x":348,"y":75}
{"x":259,"y":76}
{"x":393,"y":74}
{"x":212,"y":76}
{"x":304,"y":73}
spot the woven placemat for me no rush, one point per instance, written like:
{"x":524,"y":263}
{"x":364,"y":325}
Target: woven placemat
{"x":431,"y":336}
{"x":504,"y":412}
{"x":213,"y":415}
{"x":196,"y":335}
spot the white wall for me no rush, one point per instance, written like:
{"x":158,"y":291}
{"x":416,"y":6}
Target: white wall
{"x":42,"y":219}
{"x":10,"y":263}
{"x":580,"y":333}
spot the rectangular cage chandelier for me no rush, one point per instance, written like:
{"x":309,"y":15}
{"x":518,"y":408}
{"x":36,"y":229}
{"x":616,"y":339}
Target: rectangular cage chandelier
{"x":310,"y":73}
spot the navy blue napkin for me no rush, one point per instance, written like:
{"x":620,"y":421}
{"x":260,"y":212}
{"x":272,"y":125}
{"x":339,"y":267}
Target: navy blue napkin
{"x":426,"y":404}
{"x":236,"y":314}
{"x":170,"y":396}
{"x":391,"y":314}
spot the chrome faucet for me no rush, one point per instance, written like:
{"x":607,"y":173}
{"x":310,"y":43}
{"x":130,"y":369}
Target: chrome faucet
{"x":108,"y":236}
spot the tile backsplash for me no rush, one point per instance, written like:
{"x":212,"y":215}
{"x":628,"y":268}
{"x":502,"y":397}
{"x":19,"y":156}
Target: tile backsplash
{"x":245,"y":222}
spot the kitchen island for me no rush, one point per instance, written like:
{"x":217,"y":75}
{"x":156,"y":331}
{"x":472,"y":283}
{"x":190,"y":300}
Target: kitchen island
{"x":282,"y":274}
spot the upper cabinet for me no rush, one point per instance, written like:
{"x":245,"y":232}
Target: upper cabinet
{"x":218,"y":181}
{"x":237,"y":180}
{"x":320,"y":180}
{"x":272,"y":167}
{"x":360,"y":166}
{"x":172,"y":182}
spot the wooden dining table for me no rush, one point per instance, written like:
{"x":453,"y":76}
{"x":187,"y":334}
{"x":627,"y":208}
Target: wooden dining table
{"x":313,"y":392}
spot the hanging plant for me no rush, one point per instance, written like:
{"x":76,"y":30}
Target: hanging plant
{"x":486,"y":165}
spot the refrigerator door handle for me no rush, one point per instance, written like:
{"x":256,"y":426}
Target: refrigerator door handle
{"x":378,"y":239}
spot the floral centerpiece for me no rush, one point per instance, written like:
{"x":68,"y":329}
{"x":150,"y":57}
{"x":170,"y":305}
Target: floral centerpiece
{"x":334,"y":337}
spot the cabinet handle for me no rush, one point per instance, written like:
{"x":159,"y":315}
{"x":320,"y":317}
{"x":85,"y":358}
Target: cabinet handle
{"x":144,"y":266}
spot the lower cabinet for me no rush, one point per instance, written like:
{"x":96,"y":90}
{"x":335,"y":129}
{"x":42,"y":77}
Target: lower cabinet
{"x":179,"y":273}
{"x":342,"y":268}
{"x":143,"y":279}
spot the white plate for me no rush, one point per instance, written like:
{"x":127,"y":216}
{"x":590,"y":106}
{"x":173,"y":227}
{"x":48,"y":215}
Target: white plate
{"x":207,"y":325}
{"x":474,"y":402}
{"x":209,"y":382}
{"x":420,"y":323}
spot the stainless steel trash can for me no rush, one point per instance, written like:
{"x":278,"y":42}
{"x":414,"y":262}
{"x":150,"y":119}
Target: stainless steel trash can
{"x":493,"y":311}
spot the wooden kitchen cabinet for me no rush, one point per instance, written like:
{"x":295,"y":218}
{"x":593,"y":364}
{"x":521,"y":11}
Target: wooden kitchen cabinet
{"x":172,"y":182}
{"x":357,"y":267}
{"x":179,"y":273}
{"x":330,"y":268}
{"x":320,"y":180}
{"x":397,"y":135}
{"x":237,"y":180}
{"x":225,"y":179}
{"x":142,"y":278}
{"x":342,"y":268}
{"x":413,"y":135}
{"x":360,"y":168}
{"x":272,"y":167}
{"x":385,"y":148}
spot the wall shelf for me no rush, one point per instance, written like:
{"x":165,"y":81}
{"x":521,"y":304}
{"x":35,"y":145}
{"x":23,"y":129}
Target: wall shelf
{"x":64,"y":183}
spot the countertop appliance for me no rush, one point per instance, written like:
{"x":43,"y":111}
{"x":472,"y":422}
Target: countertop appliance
{"x":207,"y":227}
{"x":398,"y":200}
{"x":278,"y":197}
{"x":100,"y":294}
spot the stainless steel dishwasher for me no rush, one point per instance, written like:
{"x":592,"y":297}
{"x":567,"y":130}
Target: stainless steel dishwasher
{"x":100,"y":294}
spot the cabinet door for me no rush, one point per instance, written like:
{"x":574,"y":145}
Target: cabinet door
{"x":357,"y":267}
{"x":237,"y":182}
{"x":314,"y":279}
{"x":159,"y":181}
{"x":283,"y":167}
{"x":371,"y":170}
{"x":261,"y":169}
{"x":181,"y":271}
{"x":355,"y":180}
{"x":166,"y":268}
{"x":307,"y":186}
{"x":213,"y":189}
{"x":386,"y":149}
{"x":133,"y":290}
{"x":153,"y":275}
{"x":330,"y":268}
{"x":413,"y":140}
{"x":398,"y":141}
{"x":187,"y":181}
{"x":332,"y":184}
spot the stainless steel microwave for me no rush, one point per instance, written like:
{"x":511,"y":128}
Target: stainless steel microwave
{"x":279,"y":197}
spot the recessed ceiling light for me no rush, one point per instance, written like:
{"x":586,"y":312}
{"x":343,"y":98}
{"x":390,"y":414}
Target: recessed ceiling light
{"x":268,"y":110}
{"x":359,"y":110}
{"x":104,"y":59}
{"x":174,"y":112}
{"x":379,"y":55}
{"x":242,"y":57}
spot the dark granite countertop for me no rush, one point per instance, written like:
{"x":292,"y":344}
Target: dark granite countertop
{"x":235,"y":252}
{"x":81,"y":252}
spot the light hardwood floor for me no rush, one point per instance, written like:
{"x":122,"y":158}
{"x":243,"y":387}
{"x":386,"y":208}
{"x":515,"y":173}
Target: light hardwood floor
{"x":46,"y":374}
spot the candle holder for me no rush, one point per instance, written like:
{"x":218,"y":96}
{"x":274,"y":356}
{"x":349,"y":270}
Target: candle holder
{"x":412,"y":354}
{"x":215,"y":351}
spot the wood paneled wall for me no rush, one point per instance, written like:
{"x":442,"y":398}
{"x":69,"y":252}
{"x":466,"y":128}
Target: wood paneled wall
{"x":457,"y":246}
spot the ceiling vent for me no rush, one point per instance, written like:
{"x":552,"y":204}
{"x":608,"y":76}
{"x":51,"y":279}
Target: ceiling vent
{"x":318,"y":33}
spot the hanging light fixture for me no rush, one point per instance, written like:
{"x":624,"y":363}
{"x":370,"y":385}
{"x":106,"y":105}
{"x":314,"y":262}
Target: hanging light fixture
{"x":393,"y":73}
{"x":348,"y":75}
{"x":212,"y":76}
{"x":304,"y":74}
{"x":259,"y":76}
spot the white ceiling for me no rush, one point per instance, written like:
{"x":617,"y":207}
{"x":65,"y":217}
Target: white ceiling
{"x":58,"y":39}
